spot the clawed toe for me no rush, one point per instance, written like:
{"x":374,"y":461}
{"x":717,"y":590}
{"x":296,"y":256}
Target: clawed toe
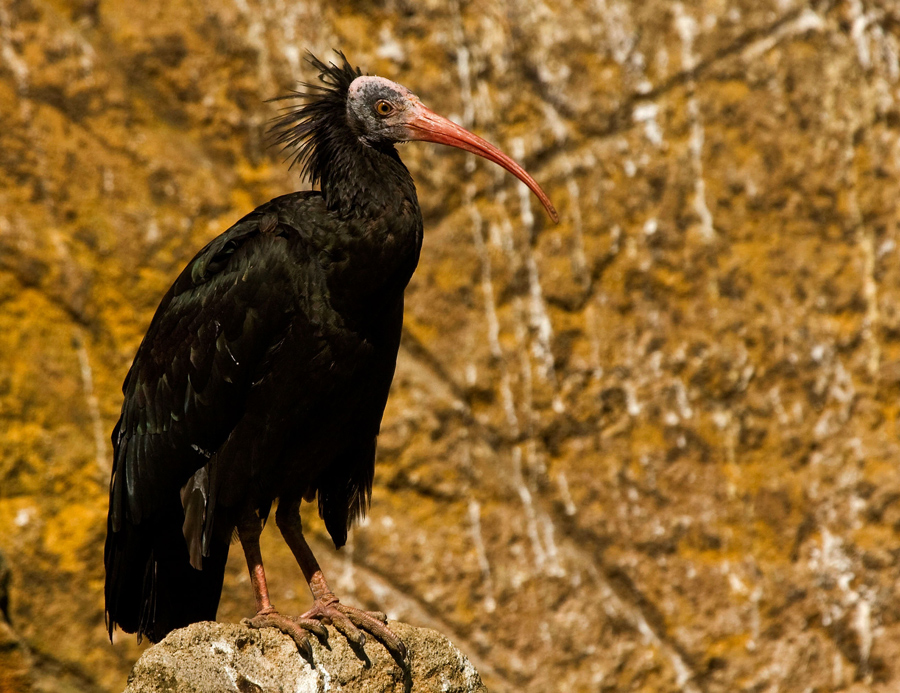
{"x":354,"y":623}
{"x":351,"y":622}
{"x":376,"y":624}
{"x":312,"y":626}
{"x":290,"y":627}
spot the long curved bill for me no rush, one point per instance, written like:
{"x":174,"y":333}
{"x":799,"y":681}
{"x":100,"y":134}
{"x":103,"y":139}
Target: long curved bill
{"x":427,"y":126}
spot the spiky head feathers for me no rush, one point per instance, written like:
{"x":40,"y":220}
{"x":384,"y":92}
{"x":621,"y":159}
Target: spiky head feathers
{"x":346,"y":109}
{"x":302,"y":131}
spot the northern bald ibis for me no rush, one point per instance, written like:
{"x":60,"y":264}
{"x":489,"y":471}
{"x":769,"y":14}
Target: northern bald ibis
{"x":264,"y":374}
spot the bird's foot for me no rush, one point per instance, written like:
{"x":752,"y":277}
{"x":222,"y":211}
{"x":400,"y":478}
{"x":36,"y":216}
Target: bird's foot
{"x":354,"y":623}
{"x":295,"y":628}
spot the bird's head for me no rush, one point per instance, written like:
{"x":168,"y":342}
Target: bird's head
{"x":380,"y":113}
{"x":379,"y":110}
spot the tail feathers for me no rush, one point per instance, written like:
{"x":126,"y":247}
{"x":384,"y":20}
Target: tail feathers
{"x":345,"y":491}
{"x":151,"y":588}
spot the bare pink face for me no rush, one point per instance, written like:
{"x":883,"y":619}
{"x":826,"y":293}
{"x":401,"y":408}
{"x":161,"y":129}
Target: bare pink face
{"x":385,"y":111}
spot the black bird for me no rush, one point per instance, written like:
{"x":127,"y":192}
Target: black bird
{"x":265,"y":371}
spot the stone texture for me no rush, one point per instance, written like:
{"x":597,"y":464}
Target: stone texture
{"x":15,"y":666}
{"x":653,"y":448}
{"x":217,"y":658}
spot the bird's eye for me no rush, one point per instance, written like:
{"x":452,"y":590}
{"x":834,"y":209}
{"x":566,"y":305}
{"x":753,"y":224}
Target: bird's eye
{"x":383,"y":108}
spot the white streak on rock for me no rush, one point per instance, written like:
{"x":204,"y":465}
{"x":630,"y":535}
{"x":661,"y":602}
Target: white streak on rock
{"x":563,"y":484}
{"x":858,"y":29}
{"x":807,"y":21}
{"x":862,"y":624}
{"x":490,"y":604}
{"x":389,"y":47}
{"x":493,"y":324}
{"x":646,"y":113}
{"x":531,"y":525}
{"x":256,"y":38}
{"x":93,"y":404}
{"x":616,"y":609}
{"x":16,"y":64}
{"x":687,"y":31}
{"x":539,"y":320}
{"x":554,"y":566}
{"x":325,"y":676}
{"x":621,"y":35}
{"x":579,"y":259}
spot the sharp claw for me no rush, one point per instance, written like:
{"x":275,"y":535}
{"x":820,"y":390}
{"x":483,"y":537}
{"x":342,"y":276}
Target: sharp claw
{"x":392,"y":643}
{"x":301,"y":640}
{"x":350,"y":631}
{"x":396,"y":647}
{"x":304,"y":645}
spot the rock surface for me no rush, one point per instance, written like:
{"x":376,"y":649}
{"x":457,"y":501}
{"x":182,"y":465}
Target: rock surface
{"x":15,"y":667}
{"x":653,"y":448}
{"x":219,"y":658}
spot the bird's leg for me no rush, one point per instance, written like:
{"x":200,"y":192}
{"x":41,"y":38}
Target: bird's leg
{"x":349,"y":620}
{"x":249,"y":529}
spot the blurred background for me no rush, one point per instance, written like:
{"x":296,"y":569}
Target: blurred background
{"x":653,"y":448}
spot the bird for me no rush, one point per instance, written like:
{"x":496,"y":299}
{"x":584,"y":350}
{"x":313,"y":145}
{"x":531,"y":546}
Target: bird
{"x":263,"y":376}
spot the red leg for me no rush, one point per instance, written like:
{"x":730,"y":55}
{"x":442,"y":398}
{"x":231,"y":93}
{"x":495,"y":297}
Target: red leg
{"x":350,"y":621}
{"x":249,"y":530}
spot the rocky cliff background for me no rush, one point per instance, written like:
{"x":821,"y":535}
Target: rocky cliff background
{"x":654,"y":448}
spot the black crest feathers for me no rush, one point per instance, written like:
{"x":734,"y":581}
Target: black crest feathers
{"x":302,"y":131}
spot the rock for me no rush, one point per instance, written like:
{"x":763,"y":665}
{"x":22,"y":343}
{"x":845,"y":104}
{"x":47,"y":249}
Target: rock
{"x":4,"y":589}
{"x":15,"y":664}
{"x":15,"y":667}
{"x":212,"y":657}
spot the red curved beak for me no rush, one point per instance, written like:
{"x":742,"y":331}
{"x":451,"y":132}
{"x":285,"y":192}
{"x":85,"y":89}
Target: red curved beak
{"x":427,"y":126}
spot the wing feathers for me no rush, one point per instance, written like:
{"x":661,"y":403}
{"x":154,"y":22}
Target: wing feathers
{"x":190,"y":379}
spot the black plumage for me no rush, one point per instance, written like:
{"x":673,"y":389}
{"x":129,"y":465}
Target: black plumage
{"x":265,"y":371}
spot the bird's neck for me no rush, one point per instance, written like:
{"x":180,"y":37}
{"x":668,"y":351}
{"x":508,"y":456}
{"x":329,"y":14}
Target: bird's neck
{"x":379,"y":235}
{"x":363,"y":181}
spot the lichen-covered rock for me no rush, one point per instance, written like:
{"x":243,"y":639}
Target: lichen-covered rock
{"x":15,"y":667}
{"x":14,"y":662}
{"x":4,"y":589}
{"x":219,"y":658}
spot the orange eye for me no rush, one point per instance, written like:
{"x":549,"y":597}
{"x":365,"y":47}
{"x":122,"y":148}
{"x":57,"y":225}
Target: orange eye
{"x":383,"y":108}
